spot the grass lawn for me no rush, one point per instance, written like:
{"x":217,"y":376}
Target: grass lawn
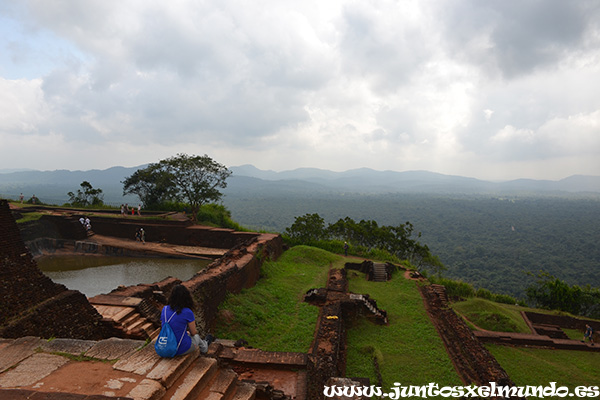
{"x":409,"y":350}
{"x":527,"y":366}
{"x":271,"y":315}
{"x":574,"y":334}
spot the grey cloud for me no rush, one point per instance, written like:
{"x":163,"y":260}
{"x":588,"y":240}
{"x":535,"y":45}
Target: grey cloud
{"x":515,"y":38}
{"x":382,"y":45}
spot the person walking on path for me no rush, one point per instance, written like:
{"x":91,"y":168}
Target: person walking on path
{"x":589,"y":334}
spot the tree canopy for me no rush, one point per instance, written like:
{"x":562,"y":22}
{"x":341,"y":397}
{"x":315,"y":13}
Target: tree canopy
{"x":194,"y":180}
{"x":555,"y":294}
{"x":367,"y":234}
{"x":86,"y":196}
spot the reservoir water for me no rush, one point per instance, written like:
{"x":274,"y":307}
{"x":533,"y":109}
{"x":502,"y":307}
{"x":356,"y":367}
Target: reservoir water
{"x":97,"y":275}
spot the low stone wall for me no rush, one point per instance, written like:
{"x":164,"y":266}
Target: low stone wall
{"x":173,"y":232}
{"x":327,"y":357}
{"x":238,"y":269}
{"x":563,"y":321}
{"x":473,"y":362}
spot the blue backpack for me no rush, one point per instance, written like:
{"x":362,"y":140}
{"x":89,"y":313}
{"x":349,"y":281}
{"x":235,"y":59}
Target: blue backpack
{"x":166,"y":344}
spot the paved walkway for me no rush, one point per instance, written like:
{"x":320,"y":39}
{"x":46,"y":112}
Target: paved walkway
{"x":34,"y":368}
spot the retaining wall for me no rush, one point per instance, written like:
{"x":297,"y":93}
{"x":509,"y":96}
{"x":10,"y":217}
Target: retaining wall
{"x":473,"y":362}
{"x":179,"y":233}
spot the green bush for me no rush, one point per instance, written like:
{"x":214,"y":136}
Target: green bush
{"x":218,"y":215}
{"x":455,"y":288}
{"x":484,"y":294}
{"x":506,"y":299}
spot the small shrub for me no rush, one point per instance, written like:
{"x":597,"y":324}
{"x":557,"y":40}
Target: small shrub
{"x":455,"y":288}
{"x":504,"y":298}
{"x":484,"y":294}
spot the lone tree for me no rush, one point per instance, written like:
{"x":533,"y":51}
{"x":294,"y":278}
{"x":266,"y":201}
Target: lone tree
{"x":193,"y":179}
{"x":86,"y":197}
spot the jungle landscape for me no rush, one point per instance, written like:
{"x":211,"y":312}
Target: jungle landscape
{"x":501,"y":250}
{"x":496,"y":236}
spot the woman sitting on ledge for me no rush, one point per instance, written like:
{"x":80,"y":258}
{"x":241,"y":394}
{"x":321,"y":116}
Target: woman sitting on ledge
{"x":178,"y":312}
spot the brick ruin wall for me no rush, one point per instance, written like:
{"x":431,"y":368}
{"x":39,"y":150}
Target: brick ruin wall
{"x":179,"y":233}
{"x":237,"y":270}
{"x":30,"y":303}
{"x":563,"y":321}
{"x":473,"y":362}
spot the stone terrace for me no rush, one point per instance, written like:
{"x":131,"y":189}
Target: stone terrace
{"x":34,"y":368}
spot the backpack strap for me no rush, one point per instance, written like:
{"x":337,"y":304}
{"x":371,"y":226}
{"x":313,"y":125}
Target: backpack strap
{"x":169,"y":320}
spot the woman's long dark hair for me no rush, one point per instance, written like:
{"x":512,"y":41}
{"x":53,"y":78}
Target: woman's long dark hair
{"x":180,"y":298}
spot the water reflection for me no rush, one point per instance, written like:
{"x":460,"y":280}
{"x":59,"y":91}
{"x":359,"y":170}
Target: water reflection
{"x":97,"y":275}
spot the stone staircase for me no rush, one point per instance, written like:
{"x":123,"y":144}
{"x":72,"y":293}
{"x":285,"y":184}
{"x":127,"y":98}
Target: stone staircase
{"x":31,"y":367}
{"x":379,"y":314}
{"x":379,"y":273}
{"x":125,"y":315}
{"x":440,"y":291}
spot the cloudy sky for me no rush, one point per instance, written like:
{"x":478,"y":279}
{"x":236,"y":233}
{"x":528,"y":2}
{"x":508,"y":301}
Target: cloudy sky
{"x":487,"y":89}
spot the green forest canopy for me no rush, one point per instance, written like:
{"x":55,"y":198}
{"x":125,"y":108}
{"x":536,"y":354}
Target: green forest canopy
{"x":489,"y":242}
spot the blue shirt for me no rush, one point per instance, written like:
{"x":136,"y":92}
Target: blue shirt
{"x":179,"y":324}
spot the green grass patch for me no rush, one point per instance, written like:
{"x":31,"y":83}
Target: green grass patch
{"x":408,"y":350}
{"x":492,"y":316}
{"x":271,"y":315}
{"x":528,"y":366}
{"x":31,"y":216}
{"x":574,"y":334}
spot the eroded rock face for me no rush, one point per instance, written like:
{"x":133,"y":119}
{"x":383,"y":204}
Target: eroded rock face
{"x":31,"y":304}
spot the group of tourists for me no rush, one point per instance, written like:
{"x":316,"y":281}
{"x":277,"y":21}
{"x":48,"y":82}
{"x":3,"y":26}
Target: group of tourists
{"x":125,"y":209}
{"x":86,"y":223}
{"x":140,"y":235}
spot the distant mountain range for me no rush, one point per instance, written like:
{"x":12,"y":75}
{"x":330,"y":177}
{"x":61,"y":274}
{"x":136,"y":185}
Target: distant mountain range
{"x":52,"y":186}
{"x":367,"y":180}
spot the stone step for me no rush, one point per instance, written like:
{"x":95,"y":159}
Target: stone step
{"x":168,"y":370}
{"x":154,"y":334}
{"x":122,"y":315}
{"x":137,"y":323}
{"x":222,"y":387}
{"x":148,"y":327}
{"x":132,"y":319}
{"x":244,"y":391}
{"x":194,"y":380}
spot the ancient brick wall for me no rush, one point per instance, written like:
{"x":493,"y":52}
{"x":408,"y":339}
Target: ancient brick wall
{"x":564,"y":321}
{"x":180,"y":233}
{"x":474,"y":363}
{"x":30,"y":303}
{"x":238,"y":269}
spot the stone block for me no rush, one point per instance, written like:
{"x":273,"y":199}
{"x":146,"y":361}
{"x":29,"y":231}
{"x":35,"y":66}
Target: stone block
{"x":139,"y":362}
{"x":224,"y":381}
{"x":114,"y":348}
{"x":18,"y":350}
{"x":244,"y":391}
{"x":169,"y":369}
{"x":69,"y":346}
{"x":196,"y":379}
{"x":148,"y":389}
{"x":31,"y":370}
